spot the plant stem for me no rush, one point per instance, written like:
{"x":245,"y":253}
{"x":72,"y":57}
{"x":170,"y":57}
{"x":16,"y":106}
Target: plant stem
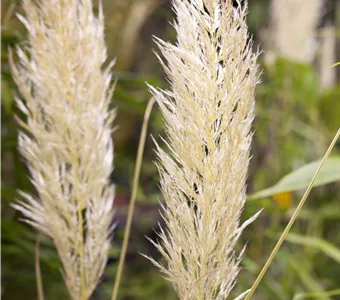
{"x":80,"y":243}
{"x":81,"y":253}
{"x":292,"y":219}
{"x":133,"y":197}
{"x":38,"y":276}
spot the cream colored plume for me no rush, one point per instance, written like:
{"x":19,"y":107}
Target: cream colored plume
{"x":66,"y":140}
{"x":294,"y":24}
{"x":208,"y":114}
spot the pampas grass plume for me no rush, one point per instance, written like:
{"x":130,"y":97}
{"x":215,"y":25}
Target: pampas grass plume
{"x":66,"y":141}
{"x":208,"y":114}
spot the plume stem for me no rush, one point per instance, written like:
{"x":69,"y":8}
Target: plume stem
{"x":136,"y":175}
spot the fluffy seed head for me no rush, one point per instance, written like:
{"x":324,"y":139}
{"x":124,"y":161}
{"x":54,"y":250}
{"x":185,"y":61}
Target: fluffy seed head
{"x":208,"y":114}
{"x":66,"y":141}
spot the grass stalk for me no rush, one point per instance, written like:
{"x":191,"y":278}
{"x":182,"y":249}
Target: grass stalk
{"x":133,"y":197}
{"x":40,"y":289}
{"x":80,"y":244}
{"x":292,"y":219}
{"x":81,"y":252}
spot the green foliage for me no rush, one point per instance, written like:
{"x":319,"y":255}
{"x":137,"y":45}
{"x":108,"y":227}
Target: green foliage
{"x":329,"y":108}
{"x":315,"y":243}
{"x":300,"y":78}
{"x":317,"y":295}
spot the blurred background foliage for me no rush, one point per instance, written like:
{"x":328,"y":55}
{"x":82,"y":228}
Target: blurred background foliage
{"x":297,"y":113}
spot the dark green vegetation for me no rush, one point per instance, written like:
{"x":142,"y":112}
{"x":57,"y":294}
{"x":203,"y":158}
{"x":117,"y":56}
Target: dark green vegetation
{"x":296,"y":119}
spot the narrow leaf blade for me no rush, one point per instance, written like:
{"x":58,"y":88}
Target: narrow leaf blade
{"x":300,"y":178}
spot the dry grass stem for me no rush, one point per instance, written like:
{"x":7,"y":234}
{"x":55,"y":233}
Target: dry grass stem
{"x":292,"y":219}
{"x":132,"y":202}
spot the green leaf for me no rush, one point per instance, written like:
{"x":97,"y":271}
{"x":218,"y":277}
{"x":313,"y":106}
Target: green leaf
{"x":300,"y":178}
{"x":317,"y":243}
{"x":316,"y":295}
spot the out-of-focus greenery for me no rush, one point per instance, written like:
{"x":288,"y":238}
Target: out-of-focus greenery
{"x":295,"y":121}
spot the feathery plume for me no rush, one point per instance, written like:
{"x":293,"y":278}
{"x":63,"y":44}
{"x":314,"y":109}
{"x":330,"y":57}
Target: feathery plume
{"x":66,"y":141}
{"x":208,"y":114}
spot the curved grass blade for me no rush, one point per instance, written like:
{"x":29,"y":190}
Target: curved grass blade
{"x":292,"y":219}
{"x":133,"y":197}
{"x":316,"y":295}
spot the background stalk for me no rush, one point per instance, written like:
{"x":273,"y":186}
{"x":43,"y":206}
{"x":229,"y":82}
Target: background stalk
{"x":292,"y":219}
{"x":133,"y":197}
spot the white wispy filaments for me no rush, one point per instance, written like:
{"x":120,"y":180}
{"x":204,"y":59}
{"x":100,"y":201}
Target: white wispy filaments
{"x":208,"y":114}
{"x":66,"y":141}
